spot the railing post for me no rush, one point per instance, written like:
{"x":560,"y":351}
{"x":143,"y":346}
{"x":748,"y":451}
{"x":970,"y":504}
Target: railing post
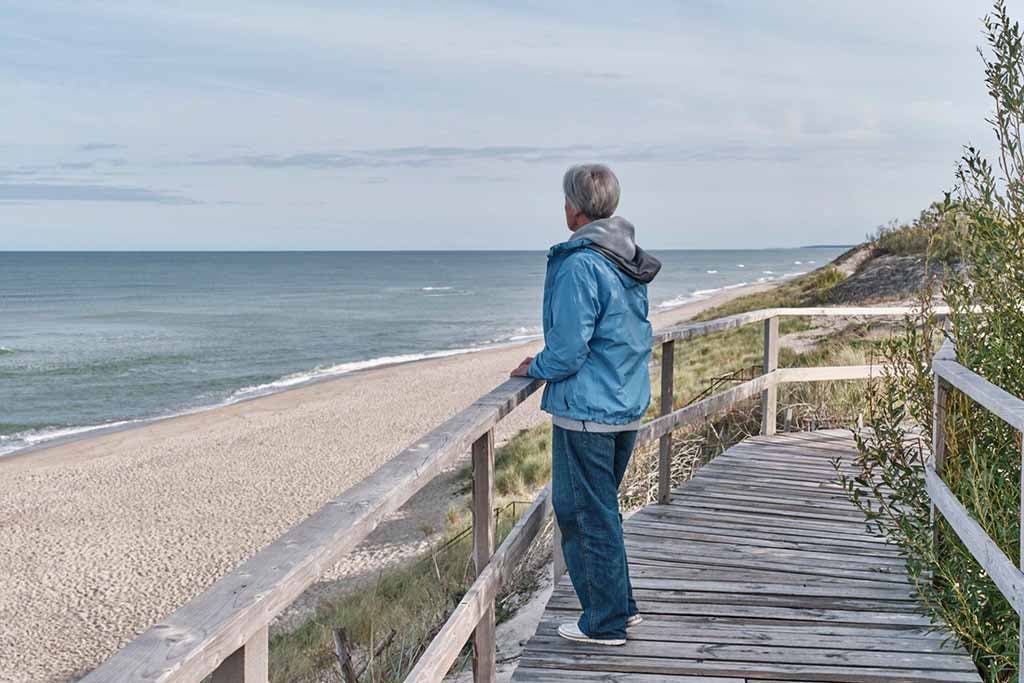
{"x":484,"y":652}
{"x":668,"y":356}
{"x":249,"y":663}
{"x":939,"y":405}
{"x":769,"y":397}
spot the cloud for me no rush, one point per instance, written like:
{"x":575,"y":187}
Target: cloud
{"x":19,"y":192}
{"x":414,"y":157}
{"x":800,"y":149}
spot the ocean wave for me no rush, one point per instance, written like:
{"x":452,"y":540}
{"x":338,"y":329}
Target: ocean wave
{"x":768,"y":272}
{"x":697,"y":295}
{"x":341,"y":369}
{"x":10,"y":443}
{"x":7,"y":351}
{"x":740,"y":265}
{"x":434,"y":289}
{"x":794,"y":274}
{"x":711,"y":272}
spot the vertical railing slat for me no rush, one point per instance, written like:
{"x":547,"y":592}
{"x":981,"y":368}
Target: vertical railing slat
{"x":484,"y":646}
{"x":769,"y":397}
{"x":668,"y":354}
{"x":249,"y":663}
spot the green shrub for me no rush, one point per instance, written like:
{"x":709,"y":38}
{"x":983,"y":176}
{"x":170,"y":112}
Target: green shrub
{"x":983,"y":461}
{"x":935,"y":234}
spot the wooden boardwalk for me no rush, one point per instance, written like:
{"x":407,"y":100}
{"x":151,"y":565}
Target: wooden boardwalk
{"x":759,"y":569}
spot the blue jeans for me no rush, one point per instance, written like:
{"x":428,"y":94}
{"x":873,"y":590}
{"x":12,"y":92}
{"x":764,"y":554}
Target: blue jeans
{"x":586,"y":470}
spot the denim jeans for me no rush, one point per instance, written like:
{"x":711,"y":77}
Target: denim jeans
{"x":586,"y":470}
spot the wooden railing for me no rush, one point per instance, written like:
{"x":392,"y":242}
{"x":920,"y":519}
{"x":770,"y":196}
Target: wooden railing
{"x":949,"y":374}
{"x":224,"y":630}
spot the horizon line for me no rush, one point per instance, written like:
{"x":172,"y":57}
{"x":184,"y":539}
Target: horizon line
{"x":385,"y":251}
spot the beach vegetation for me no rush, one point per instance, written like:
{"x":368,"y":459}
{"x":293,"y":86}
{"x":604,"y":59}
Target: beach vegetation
{"x":986,"y":321}
{"x":935,"y":233}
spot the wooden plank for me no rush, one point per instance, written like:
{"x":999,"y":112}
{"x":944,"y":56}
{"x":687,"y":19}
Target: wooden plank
{"x":793,"y":636}
{"x":694,"y":330}
{"x":829,"y":374}
{"x":668,"y":353}
{"x":547,"y":675}
{"x":762,"y":654}
{"x":443,"y":650}
{"x":701,"y":410}
{"x":603,"y":661}
{"x":993,"y":398}
{"x":755,"y":522}
{"x":759,"y":538}
{"x":192,"y":641}
{"x":484,"y":642}
{"x":769,"y":396}
{"x":248,"y":664}
{"x":992,"y":559}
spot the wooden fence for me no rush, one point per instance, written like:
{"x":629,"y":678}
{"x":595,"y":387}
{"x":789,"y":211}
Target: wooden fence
{"x":224,"y":630}
{"x":951,"y":375}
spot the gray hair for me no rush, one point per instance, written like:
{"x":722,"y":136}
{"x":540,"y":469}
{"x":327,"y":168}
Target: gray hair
{"x":592,"y":189}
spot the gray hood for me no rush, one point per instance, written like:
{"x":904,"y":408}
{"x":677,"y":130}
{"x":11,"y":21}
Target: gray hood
{"x":615,"y":239}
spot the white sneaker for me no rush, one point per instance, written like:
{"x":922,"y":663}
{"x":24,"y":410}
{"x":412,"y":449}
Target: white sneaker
{"x":634,"y":620}
{"x":572,"y":632}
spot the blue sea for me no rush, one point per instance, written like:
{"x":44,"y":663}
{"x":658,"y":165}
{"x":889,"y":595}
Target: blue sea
{"x":97,"y":339}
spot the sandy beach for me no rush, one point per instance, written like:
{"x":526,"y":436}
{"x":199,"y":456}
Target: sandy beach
{"x":101,"y":537}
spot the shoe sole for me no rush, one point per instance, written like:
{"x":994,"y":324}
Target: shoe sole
{"x":634,"y":621}
{"x":593,"y":641}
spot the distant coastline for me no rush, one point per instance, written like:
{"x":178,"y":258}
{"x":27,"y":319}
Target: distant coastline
{"x":828,"y":246}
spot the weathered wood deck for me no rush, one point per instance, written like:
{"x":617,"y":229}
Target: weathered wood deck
{"x":758,"y":569}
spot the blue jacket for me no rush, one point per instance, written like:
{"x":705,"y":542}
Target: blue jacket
{"x":597,"y":339}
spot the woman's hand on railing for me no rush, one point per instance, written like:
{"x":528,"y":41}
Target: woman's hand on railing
{"x":521,"y":369}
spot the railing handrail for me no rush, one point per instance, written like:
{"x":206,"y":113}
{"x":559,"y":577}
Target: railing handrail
{"x":231,"y":616}
{"x":950,"y":374}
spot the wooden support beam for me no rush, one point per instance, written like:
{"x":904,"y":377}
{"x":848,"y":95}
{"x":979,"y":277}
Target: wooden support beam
{"x":1007,"y":577}
{"x":668,"y":353}
{"x":442,"y":652}
{"x":770,"y":395}
{"x":484,"y":643}
{"x":249,"y":663}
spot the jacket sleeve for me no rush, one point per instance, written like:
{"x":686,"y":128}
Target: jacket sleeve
{"x":575,"y":307}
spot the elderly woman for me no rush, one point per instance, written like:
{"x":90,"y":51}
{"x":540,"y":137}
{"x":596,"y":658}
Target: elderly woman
{"x":597,"y":344}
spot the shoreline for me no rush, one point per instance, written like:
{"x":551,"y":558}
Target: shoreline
{"x":697,"y":301}
{"x":106,"y":534}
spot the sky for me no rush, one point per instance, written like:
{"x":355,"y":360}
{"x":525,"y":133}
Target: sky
{"x":448,"y":125}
